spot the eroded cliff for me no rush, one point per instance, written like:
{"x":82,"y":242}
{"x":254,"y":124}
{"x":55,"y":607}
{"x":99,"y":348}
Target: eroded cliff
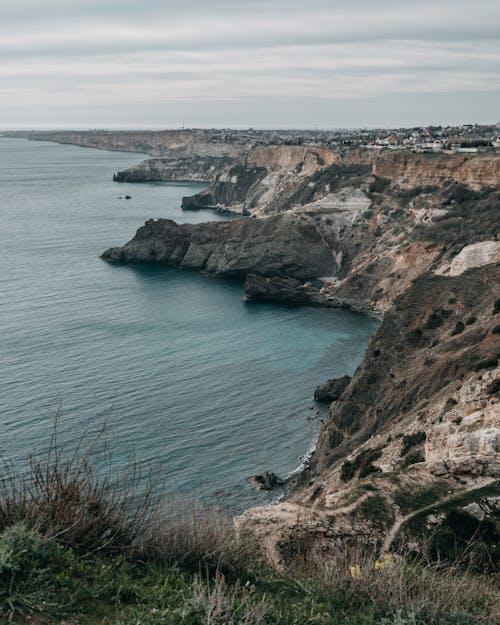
{"x":412,"y":443}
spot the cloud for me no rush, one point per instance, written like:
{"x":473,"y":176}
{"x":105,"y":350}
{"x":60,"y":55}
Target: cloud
{"x":138,"y":58}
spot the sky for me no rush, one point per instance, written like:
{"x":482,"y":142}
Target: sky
{"x":253,"y":63}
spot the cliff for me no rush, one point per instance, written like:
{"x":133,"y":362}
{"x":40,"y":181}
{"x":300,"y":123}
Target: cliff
{"x":178,"y":143}
{"x":179,"y":169}
{"x":284,"y":244}
{"x":412,"y":443}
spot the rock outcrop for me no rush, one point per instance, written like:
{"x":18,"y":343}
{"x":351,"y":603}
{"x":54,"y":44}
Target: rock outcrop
{"x":475,"y":255}
{"x":266,"y":481}
{"x":282,"y":244}
{"x":332,"y":390}
{"x":291,"y":291}
{"x":195,"y":169}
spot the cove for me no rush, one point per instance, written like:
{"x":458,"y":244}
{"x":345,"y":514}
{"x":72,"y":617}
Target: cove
{"x":193,"y":380}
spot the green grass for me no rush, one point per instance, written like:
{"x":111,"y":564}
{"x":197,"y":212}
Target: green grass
{"x":409,"y":500}
{"x":375,"y":510}
{"x":460,"y":535}
{"x":113,"y":590}
{"x":74,"y":551}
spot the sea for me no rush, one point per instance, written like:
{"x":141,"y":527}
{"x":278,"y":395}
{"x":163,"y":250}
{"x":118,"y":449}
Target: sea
{"x":187,"y":379}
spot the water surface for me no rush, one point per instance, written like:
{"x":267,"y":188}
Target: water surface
{"x":208,"y":388}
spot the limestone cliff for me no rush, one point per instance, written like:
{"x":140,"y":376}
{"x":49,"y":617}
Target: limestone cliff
{"x":179,"y":169}
{"x":171,"y":143}
{"x":412,"y":443}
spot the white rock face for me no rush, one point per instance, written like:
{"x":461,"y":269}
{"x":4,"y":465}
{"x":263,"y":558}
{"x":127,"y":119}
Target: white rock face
{"x":475,"y":255}
{"x":468,"y":440}
{"x":349,"y":201}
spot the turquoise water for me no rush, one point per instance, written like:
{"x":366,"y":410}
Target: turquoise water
{"x":190,"y":378}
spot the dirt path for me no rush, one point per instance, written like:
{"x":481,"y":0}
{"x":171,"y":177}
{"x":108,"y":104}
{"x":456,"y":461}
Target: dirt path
{"x":401,"y":520}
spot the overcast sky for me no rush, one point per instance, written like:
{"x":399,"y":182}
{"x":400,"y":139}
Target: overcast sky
{"x":279,"y":63}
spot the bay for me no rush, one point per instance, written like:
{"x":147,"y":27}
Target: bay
{"x":190,"y":379}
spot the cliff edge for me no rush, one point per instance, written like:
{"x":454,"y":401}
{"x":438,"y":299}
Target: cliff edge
{"x":409,"y":452}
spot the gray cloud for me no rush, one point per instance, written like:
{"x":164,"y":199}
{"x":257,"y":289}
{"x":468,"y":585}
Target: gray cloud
{"x":98,"y":62}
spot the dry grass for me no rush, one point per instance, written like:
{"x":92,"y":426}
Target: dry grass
{"x":399,"y":581}
{"x":200,"y":539}
{"x":64,"y":495}
{"x":222,"y":603}
{"x":72,"y":496}
{"x":120,"y":542}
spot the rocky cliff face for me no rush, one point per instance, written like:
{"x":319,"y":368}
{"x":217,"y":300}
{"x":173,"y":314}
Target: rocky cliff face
{"x":181,"y":169}
{"x":284,"y":244}
{"x":171,"y":143}
{"x":412,"y":170}
{"x":412,"y":443}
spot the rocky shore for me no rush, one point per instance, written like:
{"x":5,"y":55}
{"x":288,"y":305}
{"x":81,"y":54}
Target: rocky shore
{"x":409,"y":452}
{"x":415,"y":433}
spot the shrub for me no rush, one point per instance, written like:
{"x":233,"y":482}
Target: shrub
{"x":450,"y":402}
{"x":412,"y":440}
{"x":22,"y":548}
{"x":347,"y":471}
{"x":412,"y":457}
{"x":363,"y":462}
{"x":30,"y":566}
{"x":493,"y":387}
{"x":375,"y":509}
{"x":65,"y":495}
{"x":458,"y":329}
{"x":379,"y":185}
{"x":416,"y":337}
{"x":434,"y":321}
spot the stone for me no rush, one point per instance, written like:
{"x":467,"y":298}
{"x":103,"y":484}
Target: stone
{"x":266,"y":481}
{"x":331,"y":390}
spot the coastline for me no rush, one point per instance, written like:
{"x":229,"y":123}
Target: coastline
{"x":391,"y":235}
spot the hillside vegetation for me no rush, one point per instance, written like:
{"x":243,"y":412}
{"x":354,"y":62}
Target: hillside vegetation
{"x":80,"y":548}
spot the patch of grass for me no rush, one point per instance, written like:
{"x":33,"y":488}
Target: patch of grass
{"x":192,"y":569}
{"x":375,"y":510}
{"x":459,"y":536}
{"x":410,"y":499}
{"x":487,"y":363}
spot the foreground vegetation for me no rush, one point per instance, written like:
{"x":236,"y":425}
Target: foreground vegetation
{"x":76,"y":548}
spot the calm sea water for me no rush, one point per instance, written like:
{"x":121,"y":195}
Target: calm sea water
{"x":189,"y":377}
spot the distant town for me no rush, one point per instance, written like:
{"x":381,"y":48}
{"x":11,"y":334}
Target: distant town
{"x":464,"y":138}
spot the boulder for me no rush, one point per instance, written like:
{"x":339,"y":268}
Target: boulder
{"x":266,"y":481}
{"x":331,"y":390}
{"x":276,"y":289}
